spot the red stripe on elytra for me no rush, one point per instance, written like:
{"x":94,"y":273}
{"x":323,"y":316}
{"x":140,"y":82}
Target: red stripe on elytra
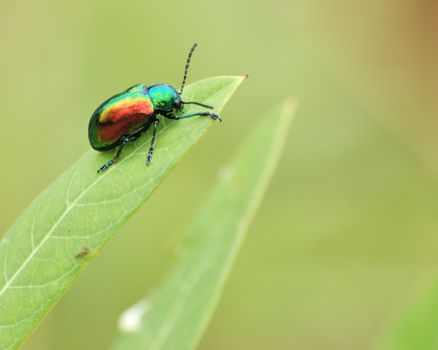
{"x":121,"y":111}
{"x":124,"y":126}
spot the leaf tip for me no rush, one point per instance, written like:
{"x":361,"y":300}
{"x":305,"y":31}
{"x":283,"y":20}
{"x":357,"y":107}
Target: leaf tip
{"x":291,"y":103}
{"x":290,"y":106}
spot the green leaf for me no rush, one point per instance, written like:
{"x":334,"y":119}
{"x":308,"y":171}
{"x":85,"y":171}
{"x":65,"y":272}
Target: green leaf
{"x":46,"y":249}
{"x":180,"y":311}
{"x":417,"y":325}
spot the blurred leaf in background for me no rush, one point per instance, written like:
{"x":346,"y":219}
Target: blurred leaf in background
{"x":179,"y":312}
{"x":351,"y":215}
{"x":416,"y":326}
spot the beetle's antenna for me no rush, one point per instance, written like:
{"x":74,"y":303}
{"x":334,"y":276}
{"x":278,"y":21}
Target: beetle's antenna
{"x":189,"y":57}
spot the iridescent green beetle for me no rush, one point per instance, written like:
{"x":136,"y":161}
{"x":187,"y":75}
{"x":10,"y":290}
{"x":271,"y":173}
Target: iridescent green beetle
{"x":124,"y":117}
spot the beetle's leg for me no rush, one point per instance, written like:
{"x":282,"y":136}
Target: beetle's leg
{"x":116,"y":157}
{"x":189,"y":115}
{"x":152,"y":146}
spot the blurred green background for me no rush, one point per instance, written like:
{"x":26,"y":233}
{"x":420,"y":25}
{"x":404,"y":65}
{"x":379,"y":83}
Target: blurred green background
{"x":348,"y":229}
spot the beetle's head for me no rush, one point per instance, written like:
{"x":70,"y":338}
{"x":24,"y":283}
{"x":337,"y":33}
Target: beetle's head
{"x":165,"y":98}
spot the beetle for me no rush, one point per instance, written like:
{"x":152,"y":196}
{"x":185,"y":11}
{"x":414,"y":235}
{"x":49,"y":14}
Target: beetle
{"x":122,"y":118}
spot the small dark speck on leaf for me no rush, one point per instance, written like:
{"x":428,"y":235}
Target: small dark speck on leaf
{"x":82,"y":252}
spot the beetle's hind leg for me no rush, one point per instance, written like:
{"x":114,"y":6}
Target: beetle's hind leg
{"x":152,"y":146}
{"x":126,"y":140}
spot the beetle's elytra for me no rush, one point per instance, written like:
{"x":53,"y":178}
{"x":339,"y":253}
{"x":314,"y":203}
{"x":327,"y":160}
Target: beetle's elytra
{"x":124,"y":117}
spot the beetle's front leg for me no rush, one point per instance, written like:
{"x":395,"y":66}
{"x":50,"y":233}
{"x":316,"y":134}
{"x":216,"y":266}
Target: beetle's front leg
{"x":194,"y":114}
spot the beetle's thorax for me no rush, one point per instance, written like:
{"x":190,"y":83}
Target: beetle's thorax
{"x":164,"y":97}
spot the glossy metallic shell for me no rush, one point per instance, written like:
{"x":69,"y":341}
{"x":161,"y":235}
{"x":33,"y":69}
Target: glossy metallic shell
{"x":121,"y":115}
